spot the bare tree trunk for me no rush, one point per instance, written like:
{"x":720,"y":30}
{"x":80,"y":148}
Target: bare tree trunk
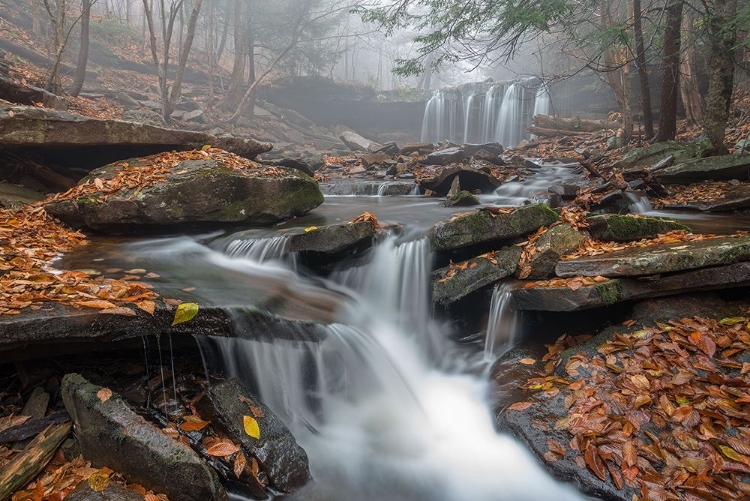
{"x":57,"y":20}
{"x":211,"y":54}
{"x":670,"y":84}
{"x":689,"y":87}
{"x":83,"y":53}
{"x":618,"y":75}
{"x":640,"y":62}
{"x":223,"y":43}
{"x":234,"y":92}
{"x":722,"y":38}
{"x":182,"y":63}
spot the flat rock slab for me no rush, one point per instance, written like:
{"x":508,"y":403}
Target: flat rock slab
{"x":736,"y":198}
{"x":278,"y":453}
{"x":662,"y":258}
{"x":29,"y":127}
{"x":62,"y":323}
{"x":625,"y":228}
{"x":112,"y":434}
{"x":472,"y":275}
{"x":333,"y":239}
{"x":717,"y":168}
{"x":625,"y":289}
{"x":554,"y":243}
{"x":487,"y":225}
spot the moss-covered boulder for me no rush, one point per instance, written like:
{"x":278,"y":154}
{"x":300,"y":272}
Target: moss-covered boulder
{"x":457,"y":281}
{"x":489,"y":225}
{"x":461,"y":199}
{"x":557,"y":241}
{"x":627,"y":228}
{"x":717,"y":168}
{"x":652,"y":154}
{"x":657,"y":259}
{"x":111,"y":434}
{"x":192,"y":189}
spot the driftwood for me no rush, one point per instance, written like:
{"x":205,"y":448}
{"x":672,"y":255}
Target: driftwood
{"x":590,"y":167}
{"x":24,"y":467}
{"x":553,"y":125}
{"x":32,"y":427}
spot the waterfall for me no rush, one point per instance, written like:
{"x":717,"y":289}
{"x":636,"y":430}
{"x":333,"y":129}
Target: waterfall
{"x":639,"y":203}
{"x":376,"y":415}
{"x":509,"y":127}
{"x":502,"y":325}
{"x":489,"y":112}
{"x":258,"y":249}
{"x":542,"y":103}
{"x":468,"y":105}
{"x":441,"y":115}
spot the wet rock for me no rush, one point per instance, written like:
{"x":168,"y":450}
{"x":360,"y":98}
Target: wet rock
{"x":396,"y":188}
{"x":653,"y":154}
{"x":662,"y":164}
{"x":462,"y":199}
{"x":446,"y":157}
{"x":197,"y":116}
{"x":489,"y":225}
{"x":355,"y":142}
{"x":624,"y":289}
{"x":472,"y":150}
{"x":625,"y":228}
{"x":617,"y":202}
{"x":470,"y":179}
{"x":486,"y":156}
{"x":454,"y":282}
{"x":113,"y":492}
{"x":279,"y":455}
{"x":371,"y":160}
{"x":39,"y":128}
{"x":194,"y":192}
{"x":422,"y":148}
{"x":567,"y":191}
{"x":12,"y":91}
{"x":333,"y":239}
{"x":111,"y":434}
{"x":557,"y":241}
{"x":716,"y":168}
{"x":145,"y":116}
{"x":736,"y":198}
{"x":656,"y":259}
{"x":14,"y":197}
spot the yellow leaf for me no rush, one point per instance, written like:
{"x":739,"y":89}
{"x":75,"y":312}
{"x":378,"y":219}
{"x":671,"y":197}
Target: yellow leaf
{"x":98,"y":481}
{"x":206,"y":147}
{"x":732,"y":320}
{"x":251,"y":426}
{"x":104,"y":394}
{"x":185,"y":312}
{"x":731,"y":453}
{"x":310,"y":228}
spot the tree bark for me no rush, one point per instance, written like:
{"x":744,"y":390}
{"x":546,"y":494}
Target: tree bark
{"x":640,"y":62}
{"x":174,"y":95}
{"x":670,"y":73}
{"x":234,"y":92}
{"x":722,"y":37}
{"x":618,"y":75}
{"x":689,"y":86}
{"x":83,"y":53}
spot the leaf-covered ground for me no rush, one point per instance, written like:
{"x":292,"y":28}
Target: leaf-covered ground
{"x":664,"y":410}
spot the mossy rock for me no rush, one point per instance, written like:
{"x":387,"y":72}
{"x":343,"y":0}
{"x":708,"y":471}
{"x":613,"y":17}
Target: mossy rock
{"x":625,"y":228}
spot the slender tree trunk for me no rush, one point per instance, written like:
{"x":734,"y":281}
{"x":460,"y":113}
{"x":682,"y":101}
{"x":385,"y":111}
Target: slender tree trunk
{"x":617,"y":75}
{"x":83,"y":54}
{"x":640,"y":62}
{"x":689,"y":86}
{"x":670,"y":83}
{"x":182,"y":63}
{"x":234,"y":92}
{"x":223,"y":43}
{"x":722,"y":38}
{"x":211,"y":54}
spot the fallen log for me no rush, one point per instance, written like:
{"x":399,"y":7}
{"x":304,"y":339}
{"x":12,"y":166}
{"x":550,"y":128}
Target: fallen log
{"x":32,"y":427}
{"x":24,"y":467}
{"x":538,"y":131}
{"x":575,"y":124}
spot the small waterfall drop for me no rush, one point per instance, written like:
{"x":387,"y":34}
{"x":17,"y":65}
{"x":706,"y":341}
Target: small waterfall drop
{"x":509,"y":127}
{"x":489,"y":111}
{"x":468,"y":107}
{"x":368,"y":402}
{"x":639,"y":203}
{"x":258,"y":249}
{"x":542,"y":102}
{"x":441,"y":117}
{"x":502,"y":326}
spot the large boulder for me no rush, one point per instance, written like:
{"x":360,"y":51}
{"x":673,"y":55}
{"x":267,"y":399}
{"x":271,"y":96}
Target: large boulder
{"x":490,"y":225}
{"x":627,"y":228}
{"x":145,"y":116}
{"x":657,"y":259}
{"x":213,"y":188}
{"x":457,"y":281}
{"x":445,"y":157}
{"x":279,"y":455}
{"x":557,"y":241}
{"x":717,"y":168}
{"x":111,"y":434}
{"x":355,"y":142}
{"x":469,"y":179}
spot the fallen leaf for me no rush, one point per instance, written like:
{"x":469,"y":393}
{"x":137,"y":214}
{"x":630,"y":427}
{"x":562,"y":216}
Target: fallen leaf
{"x":98,"y":481}
{"x":185,"y":312}
{"x":527,"y":361}
{"x":104,"y":394}
{"x":251,"y":426}
{"x":520,"y":406}
{"x":239,"y":464}
{"x":222,"y":449}
{"x":119,"y":310}
{"x":147,"y":306}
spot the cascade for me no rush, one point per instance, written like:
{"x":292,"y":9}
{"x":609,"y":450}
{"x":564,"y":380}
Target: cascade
{"x":380,"y":404}
{"x":509,"y":127}
{"x":502,"y":325}
{"x":441,"y":115}
{"x":542,"y":102}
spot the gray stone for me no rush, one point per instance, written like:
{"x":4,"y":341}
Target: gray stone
{"x":195,"y":191}
{"x":390,"y":149}
{"x":656,"y":259}
{"x":737,"y":197}
{"x":624,"y":289}
{"x":452,"y":283}
{"x":462,"y":199}
{"x":113,"y":492}
{"x":627,"y":228}
{"x":653,"y":154}
{"x":488,"y":225}
{"x":197,"y":116}
{"x":446,"y":156}
{"x":557,"y":241}
{"x":15,"y":197}
{"x":279,"y":455}
{"x":292,"y":163}
{"x":15,"y":92}
{"x":31,"y":127}
{"x":567,"y":191}
{"x":355,"y":142}
{"x":486,"y":156}
{"x":126,"y":99}
{"x":421,"y":148}
{"x":333,"y":239}
{"x":144,"y":116}
{"x":495,"y":149}
{"x":470,"y":179}
{"x":371,"y":160}
{"x":111,"y":434}
{"x":717,"y":168}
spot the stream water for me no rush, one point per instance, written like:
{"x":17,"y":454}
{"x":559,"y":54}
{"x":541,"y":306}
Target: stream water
{"x":386,"y":406}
